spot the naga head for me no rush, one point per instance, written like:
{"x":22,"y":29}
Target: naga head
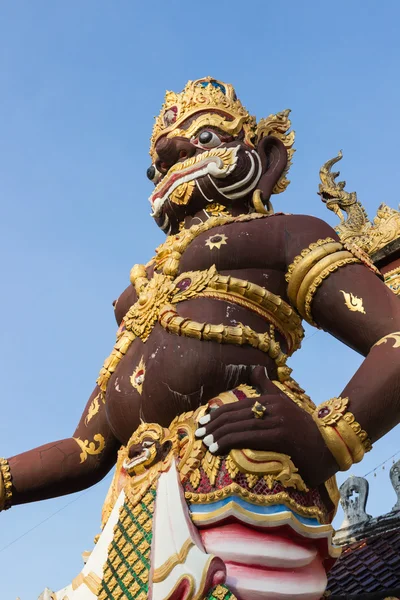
{"x":146,"y":447}
{"x":207,"y":150}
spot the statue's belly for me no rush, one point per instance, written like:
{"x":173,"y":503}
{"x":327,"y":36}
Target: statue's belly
{"x":170,"y":374}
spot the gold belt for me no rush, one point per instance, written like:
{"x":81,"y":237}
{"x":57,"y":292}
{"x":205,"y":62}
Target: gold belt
{"x":157,"y":300}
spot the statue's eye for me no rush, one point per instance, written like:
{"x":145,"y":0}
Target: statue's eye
{"x":148,"y":444}
{"x":208,"y":139}
{"x":153,"y":174}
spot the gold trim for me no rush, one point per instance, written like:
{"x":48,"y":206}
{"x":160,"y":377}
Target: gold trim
{"x":306,"y":264}
{"x":165,"y":569}
{"x":304,"y":253}
{"x":77,"y":581}
{"x":5,"y":485}
{"x":91,"y":580}
{"x":90,"y":447}
{"x":236,"y":489}
{"x":313,"y":274}
{"x":342,"y":434}
{"x":306,"y":309}
{"x":395,"y":336}
{"x":269,"y":463}
{"x":199,"y":518}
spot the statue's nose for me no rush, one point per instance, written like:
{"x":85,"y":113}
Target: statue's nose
{"x":135,"y":450}
{"x":172,"y":150}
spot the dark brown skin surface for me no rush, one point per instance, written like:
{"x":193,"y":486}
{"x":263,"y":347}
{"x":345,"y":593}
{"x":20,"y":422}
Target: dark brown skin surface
{"x":183,"y":373}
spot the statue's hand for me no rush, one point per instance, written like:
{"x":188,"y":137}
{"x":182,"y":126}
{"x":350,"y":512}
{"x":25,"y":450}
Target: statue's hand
{"x":284,"y":427}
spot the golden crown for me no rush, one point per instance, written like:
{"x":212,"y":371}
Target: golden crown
{"x":208,"y":95}
{"x":202,"y":95}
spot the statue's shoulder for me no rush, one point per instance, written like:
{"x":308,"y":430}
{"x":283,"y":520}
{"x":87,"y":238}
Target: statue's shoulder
{"x":296,"y":227}
{"x":307,"y":227}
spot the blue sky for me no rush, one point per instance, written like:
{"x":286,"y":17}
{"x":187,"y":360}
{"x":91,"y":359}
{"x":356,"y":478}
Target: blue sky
{"x":80,"y":83}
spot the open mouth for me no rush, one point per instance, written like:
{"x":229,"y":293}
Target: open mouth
{"x":134,"y":462}
{"x":218,"y":163}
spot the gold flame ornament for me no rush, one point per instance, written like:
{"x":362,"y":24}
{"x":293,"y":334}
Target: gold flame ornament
{"x":353,"y":303}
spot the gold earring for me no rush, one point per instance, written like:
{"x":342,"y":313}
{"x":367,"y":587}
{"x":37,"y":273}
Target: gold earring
{"x":259,"y":204}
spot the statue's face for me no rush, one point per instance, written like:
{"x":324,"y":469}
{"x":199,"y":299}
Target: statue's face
{"x":145,"y":448}
{"x":199,"y":164}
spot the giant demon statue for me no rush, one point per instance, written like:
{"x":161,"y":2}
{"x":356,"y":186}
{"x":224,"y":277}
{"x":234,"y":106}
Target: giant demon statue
{"x":224,"y":485}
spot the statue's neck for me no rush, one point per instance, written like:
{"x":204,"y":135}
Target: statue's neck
{"x":214,"y":210}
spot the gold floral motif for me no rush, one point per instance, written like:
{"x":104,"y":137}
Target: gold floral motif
{"x":395,"y":336}
{"x":270,"y":481}
{"x":216,"y":241}
{"x":211,"y":465}
{"x":216,"y":210}
{"x":90,"y":447}
{"x":353,"y":303}
{"x":221,"y":592}
{"x":138,"y":375}
{"x":252,"y":480}
{"x":141,"y":317}
{"x":183,"y":193}
{"x":93,"y":408}
{"x":231,"y":467}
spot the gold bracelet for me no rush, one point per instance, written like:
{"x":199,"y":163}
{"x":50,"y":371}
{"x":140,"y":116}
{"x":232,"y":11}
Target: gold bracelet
{"x":299,"y":268}
{"x":310,"y":268}
{"x":343,"y":435}
{"x":5,"y":485}
{"x":340,"y":260}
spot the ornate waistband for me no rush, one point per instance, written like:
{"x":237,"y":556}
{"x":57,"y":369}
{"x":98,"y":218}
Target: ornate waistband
{"x":158,"y":299}
{"x":259,"y":479}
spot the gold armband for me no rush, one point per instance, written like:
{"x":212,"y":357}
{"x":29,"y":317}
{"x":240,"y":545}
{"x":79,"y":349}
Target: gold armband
{"x":5,"y":485}
{"x":310,"y":268}
{"x":342,"y":434}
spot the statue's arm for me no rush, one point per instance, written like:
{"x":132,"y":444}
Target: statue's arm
{"x":354,"y":305}
{"x":67,"y":465}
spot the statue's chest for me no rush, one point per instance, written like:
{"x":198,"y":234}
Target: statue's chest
{"x":233,"y":247}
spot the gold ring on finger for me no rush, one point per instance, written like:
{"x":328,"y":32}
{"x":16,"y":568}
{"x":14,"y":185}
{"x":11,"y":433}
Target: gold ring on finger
{"x":258,"y":410}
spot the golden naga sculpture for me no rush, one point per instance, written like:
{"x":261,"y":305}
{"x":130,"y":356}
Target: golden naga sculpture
{"x":380,"y":239}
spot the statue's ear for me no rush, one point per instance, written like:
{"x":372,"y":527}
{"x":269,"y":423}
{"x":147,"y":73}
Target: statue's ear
{"x":274,"y":158}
